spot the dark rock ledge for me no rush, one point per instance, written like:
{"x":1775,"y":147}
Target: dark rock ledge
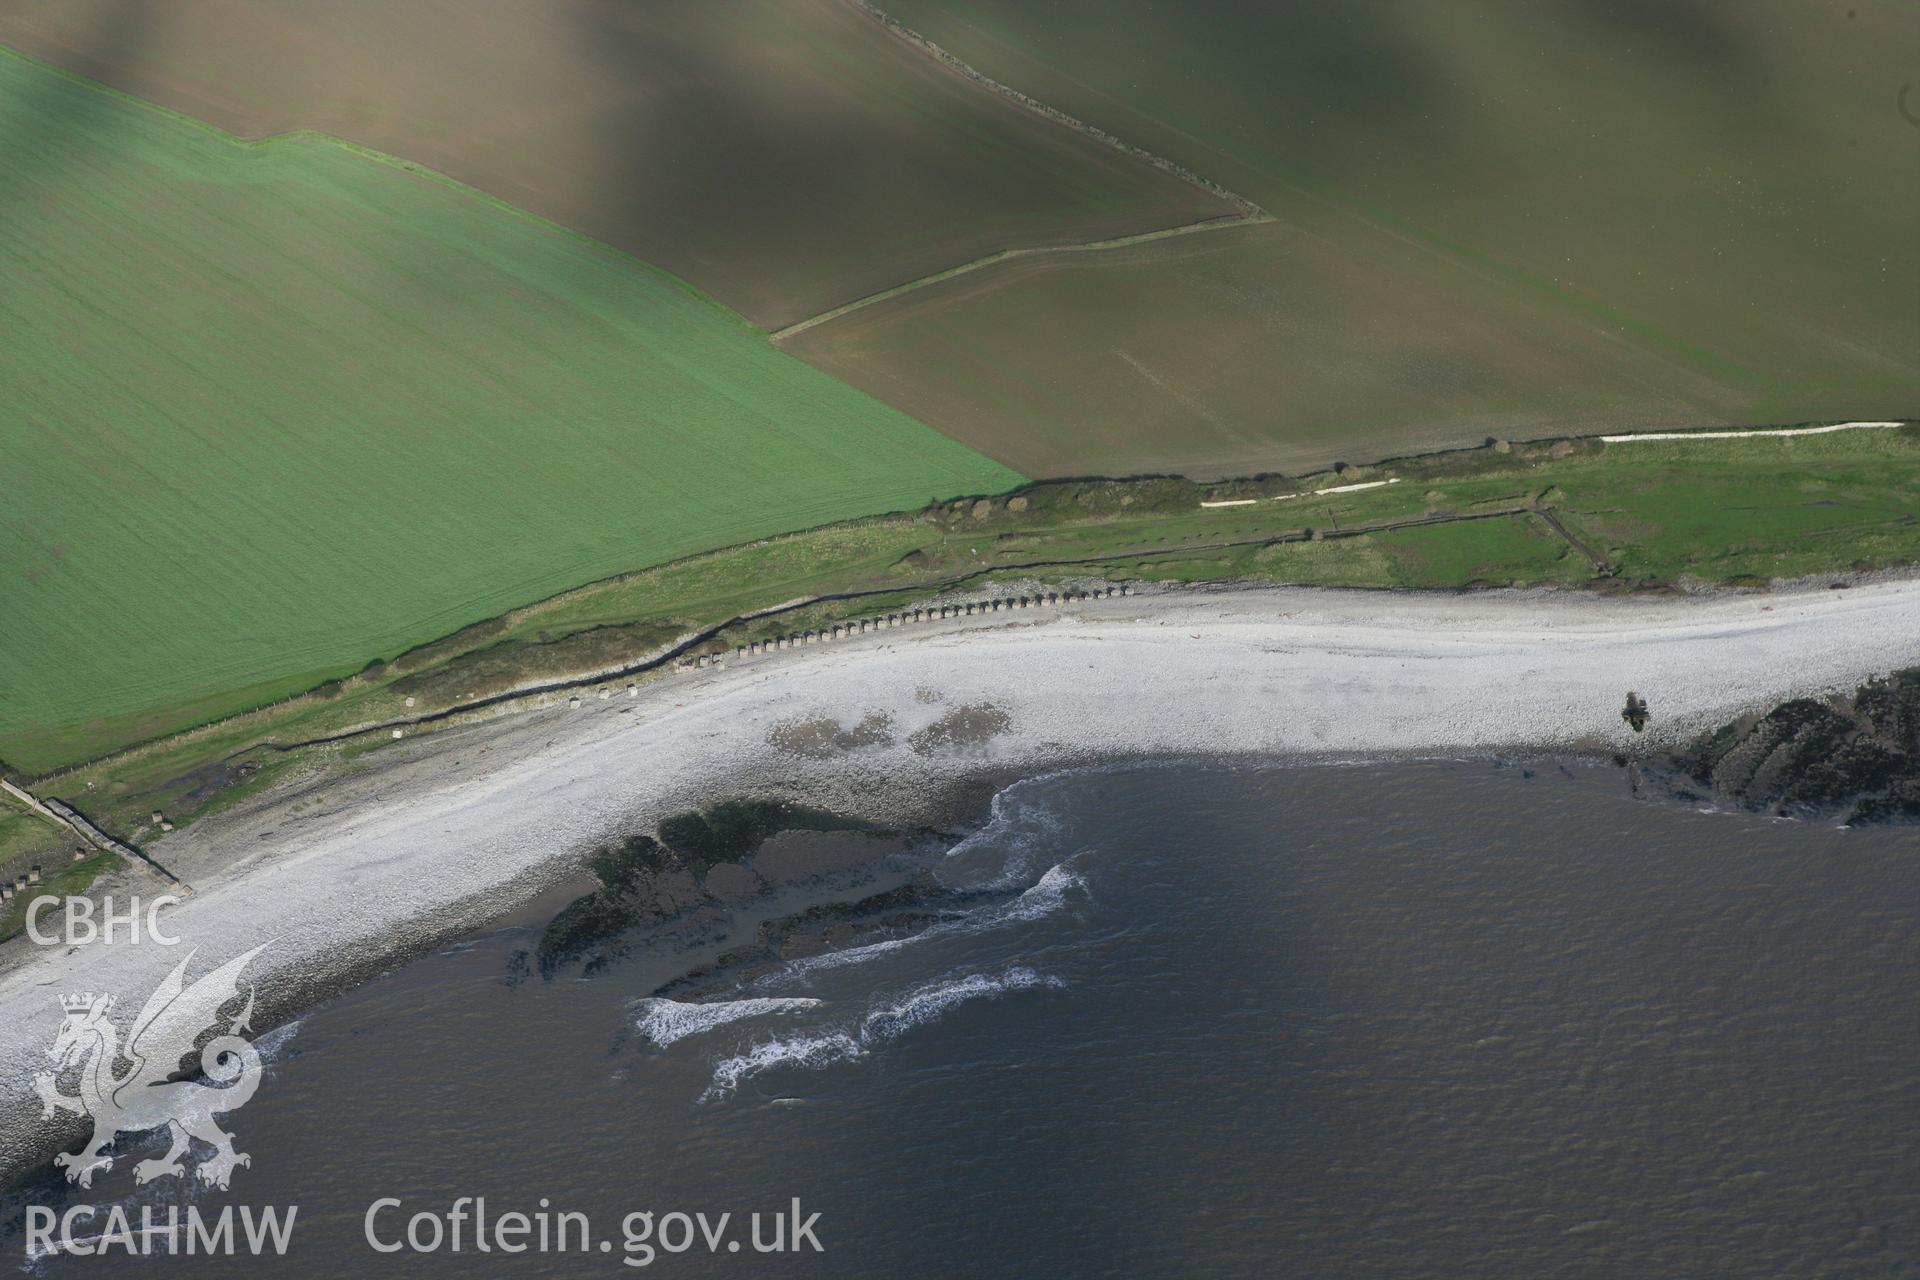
{"x":1855,"y":757}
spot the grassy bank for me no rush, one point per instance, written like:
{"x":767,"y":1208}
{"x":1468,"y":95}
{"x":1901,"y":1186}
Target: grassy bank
{"x":1655,"y":515}
{"x":67,"y":880}
{"x":29,"y":839}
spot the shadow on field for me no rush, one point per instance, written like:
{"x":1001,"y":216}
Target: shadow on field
{"x":36,"y":116}
{"x":45,"y":106}
{"x":1694,"y":30}
{"x":717,"y":116}
{"x":1359,"y":62}
{"x":1718,"y":41}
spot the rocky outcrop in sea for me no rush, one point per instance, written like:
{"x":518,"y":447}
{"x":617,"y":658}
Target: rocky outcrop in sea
{"x":1856,"y":757}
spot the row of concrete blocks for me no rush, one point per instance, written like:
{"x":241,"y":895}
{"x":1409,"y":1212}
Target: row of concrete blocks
{"x":8,"y":892}
{"x":844,"y":630}
{"x":606,"y":692}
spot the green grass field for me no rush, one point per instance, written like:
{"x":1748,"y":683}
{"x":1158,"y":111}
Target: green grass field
{"x":270,"y":411}
{"x":1704,"y":205}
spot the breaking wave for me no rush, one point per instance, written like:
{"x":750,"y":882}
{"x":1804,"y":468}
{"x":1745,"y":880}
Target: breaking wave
{"x":927,"y":1003}
{"x":1044,"y":897}
{"x":667,"y":1021}
{"x":811,"y":1051}
{"x":882,"y":1023}
{"x":1003,"y":852}
{"x":272,"y":1046}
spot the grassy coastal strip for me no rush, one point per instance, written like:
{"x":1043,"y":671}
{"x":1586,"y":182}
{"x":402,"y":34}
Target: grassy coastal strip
{"x":1658,"y":516}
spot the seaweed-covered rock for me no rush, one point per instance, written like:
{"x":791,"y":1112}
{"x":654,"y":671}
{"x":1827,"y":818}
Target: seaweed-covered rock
{"x":589,"y":927}
{"x":700,"y":860}
{"x":1900,"y":803}
{"x":621,"y":867}
{"x":731,"y":830}
{"x":581,"y":926}
{"x":1859,"y":754}
{"x":1892,"y":707}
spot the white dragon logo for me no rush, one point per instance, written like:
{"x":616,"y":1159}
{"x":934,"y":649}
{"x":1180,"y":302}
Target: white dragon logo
{"x":146,"y":1096}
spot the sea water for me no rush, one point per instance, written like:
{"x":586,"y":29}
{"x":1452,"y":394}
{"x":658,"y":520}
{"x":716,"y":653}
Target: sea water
{"x":1427,"y":1019}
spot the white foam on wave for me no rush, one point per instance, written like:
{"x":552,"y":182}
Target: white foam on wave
{"x":667,"y":1021}
{"x":927,"y":1003}
{"x":1042,"y":898}
{"x":811,"y":1051}
{"x":272,"y":1045}
{"x":881,"y":1024}
{"x":852,"y":955}
{"x":1017,"y":828}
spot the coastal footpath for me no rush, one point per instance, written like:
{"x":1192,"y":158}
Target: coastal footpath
{"x":344,"y":875}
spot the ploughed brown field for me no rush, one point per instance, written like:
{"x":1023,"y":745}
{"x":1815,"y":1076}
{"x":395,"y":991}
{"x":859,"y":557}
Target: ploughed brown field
{"x":1510,"y":217}
{"x":1231,"y":352}
{"x":1493,"y":217}
{"x":784,"y":156}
